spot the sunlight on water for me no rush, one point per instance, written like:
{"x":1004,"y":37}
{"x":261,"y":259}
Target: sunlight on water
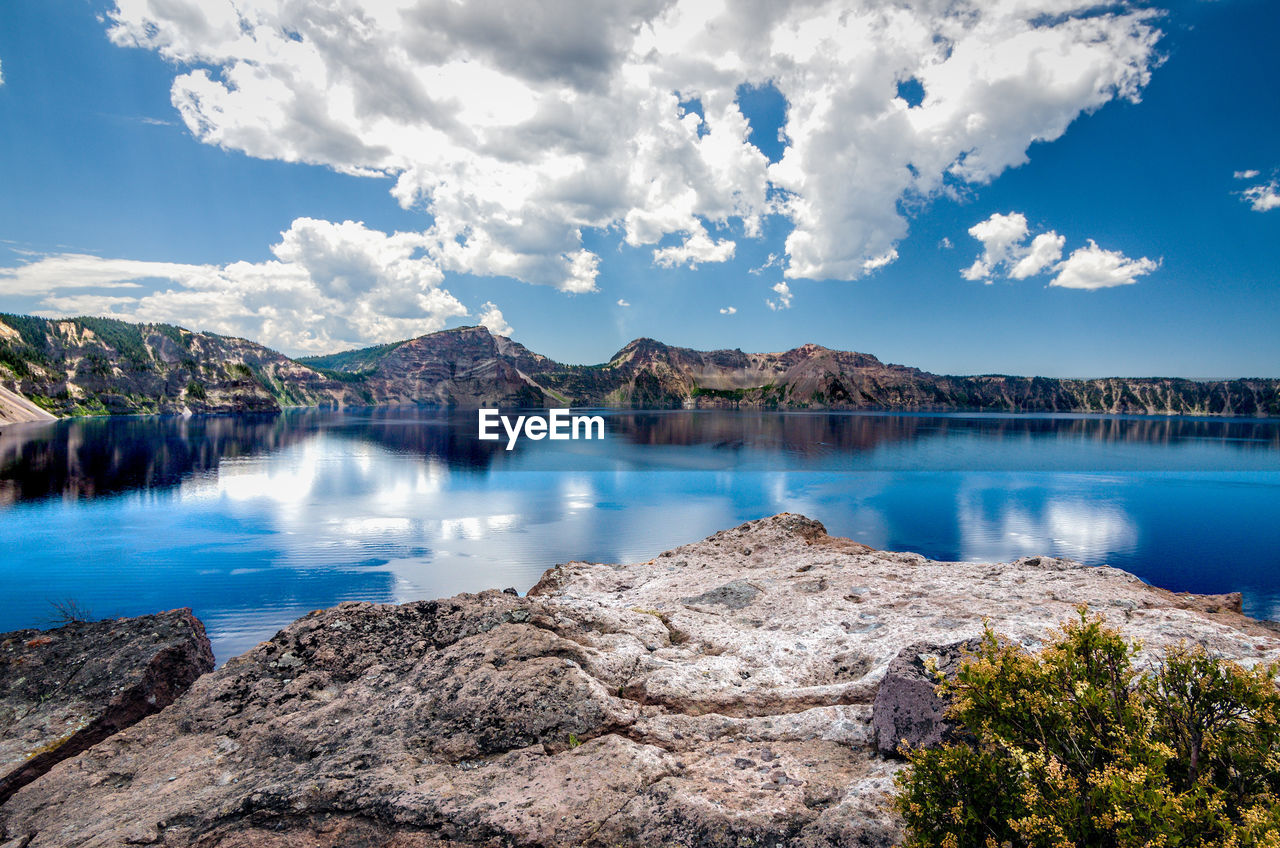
{"x":254,"y":521}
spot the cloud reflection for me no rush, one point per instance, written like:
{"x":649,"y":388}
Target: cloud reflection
{"x":255,"y":521}
{"x":1001,"y":522}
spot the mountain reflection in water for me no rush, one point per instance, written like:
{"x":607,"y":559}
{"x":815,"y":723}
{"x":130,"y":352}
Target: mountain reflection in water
{"x":253,"y":520}
{"x":93,"y":457}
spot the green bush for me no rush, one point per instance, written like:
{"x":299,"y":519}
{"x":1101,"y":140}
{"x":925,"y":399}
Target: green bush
{"x":1073,"y":747}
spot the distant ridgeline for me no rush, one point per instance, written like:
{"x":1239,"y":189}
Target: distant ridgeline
{"x":98,"y":366}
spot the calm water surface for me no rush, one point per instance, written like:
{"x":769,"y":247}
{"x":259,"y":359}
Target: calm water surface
{"x":255,"y":520}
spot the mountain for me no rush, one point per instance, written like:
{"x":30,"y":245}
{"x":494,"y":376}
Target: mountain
{"x":98,"y":366}
{"x":466,"y":367}
{"x":449,"y":366}
{"x":94,"y":366}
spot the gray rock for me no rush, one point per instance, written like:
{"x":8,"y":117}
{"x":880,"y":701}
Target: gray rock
{"x":909,"y":711}
{"x":735,"y":595}
{"x":66,"y":689}
{"x":604,"y":708}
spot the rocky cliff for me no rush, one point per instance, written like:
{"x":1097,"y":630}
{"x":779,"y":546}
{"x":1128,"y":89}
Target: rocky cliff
{"x":721,"y":694}
{"x":86,"y":366}
{"x":647,"y":373}
{"x":95,"y":366}
{"x":468,"y":367}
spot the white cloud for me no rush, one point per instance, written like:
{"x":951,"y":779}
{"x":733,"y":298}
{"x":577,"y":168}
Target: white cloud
{"x":697,"y":248}
{"x":46,"y":274}
{"x":519,"y":126}
{"x":784,"y":297}
{"x":329,"y":286}
{"x":1002,"y":237}
{"x":877,"y":262}
{"x":1094,"y":268}
{"x":774,"y":261}
{"x":1263,"y":197}
{"x":1,"y":75}
{"x":1247,"y":175}
{"x":1045,"y":251}
{"x":623,"y":302}
{"x":728,"y":310}
{"x":491,"y":319}
{"x":1006,"y":252}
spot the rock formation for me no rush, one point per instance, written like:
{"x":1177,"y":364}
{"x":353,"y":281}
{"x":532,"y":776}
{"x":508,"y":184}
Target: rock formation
{"x":99,"y":366}
{"x":15,"y":409}
{"x":94,"y":366}
{"x":718,"y":695}
{"x":64,"y":690}
{"x":908,"y":712}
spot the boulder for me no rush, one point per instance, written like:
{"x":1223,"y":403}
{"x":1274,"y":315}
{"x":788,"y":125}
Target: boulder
{"x":66,"y":689}
{"x":909,"y":711}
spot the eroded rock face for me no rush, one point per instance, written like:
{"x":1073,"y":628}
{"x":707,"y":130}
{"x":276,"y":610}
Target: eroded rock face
{"x":66,"y":689}
{"x":718,"y":694}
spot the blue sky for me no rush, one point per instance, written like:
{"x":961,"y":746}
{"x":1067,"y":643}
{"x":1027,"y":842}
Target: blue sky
{"x":291,"y":182}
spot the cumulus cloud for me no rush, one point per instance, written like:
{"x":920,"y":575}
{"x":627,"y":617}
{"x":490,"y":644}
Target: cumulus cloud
{"x":1263,"y":197}
{"x":1045,"y":251}
{"x":517,"y":127}
{"x":876,"y":262}
{"x":491,"y":319}
{"x":1007,"y":252}
{"x":728,"y":310}
{"x":1001,"y":237}
{"x":329,"y":286}
{"x":1094,"y":268}
{"x":623,"y":302}
{"x":697,"y":248}
{"x":784,"y":297}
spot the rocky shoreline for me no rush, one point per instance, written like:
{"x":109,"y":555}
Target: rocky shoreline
{"x":741,"y":690}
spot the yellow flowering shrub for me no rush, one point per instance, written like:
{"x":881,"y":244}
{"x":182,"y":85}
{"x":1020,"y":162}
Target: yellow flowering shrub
{"x":1073,"y":747}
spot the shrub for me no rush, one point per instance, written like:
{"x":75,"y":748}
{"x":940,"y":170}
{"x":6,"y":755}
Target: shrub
{"x":1073,"y":747}
{"x":68,"y":611}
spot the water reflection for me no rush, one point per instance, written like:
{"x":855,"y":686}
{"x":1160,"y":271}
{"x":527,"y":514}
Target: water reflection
{"x":94,"y":457}
{"x":256,"y":520}
{"x":998,"y":521}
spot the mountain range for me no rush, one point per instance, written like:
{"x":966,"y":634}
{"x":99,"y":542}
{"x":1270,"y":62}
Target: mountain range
{"x":96,"y":366}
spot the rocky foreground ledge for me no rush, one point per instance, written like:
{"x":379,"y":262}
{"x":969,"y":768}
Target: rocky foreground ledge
{"x":64,"y":690}
{"x":720,"y":694}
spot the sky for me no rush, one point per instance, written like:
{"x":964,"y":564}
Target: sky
{"x":1049,"y":187}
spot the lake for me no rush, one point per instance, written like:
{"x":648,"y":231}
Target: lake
{"x":255,"y":520}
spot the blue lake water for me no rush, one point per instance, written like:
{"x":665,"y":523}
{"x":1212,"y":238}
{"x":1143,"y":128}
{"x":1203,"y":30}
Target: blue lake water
{"x":255,"y":520}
